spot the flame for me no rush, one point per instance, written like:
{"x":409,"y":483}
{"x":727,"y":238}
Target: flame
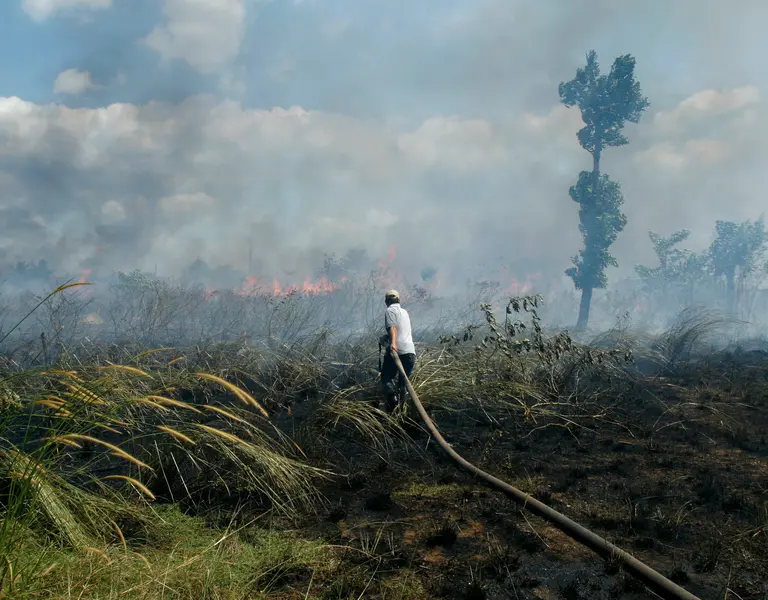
{"x":256,"y":286}
{"x":386,"y":276}
{"x":209,"y":292}
{"x":322,"y":286}
{"x":252,"y":286}
{"x":86,"y":291}
{"x":84,"y":276}
{"x":390,"y":260}
{"x":391,"y":254}
{"x":517,"y":287}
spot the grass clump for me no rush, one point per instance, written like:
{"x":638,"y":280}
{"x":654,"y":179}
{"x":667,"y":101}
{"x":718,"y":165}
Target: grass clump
{"x":185,"y":559}
{"x":86,"y":448}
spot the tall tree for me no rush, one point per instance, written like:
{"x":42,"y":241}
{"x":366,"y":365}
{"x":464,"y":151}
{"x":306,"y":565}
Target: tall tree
{"x":736,"y":249}
{"x":606,"y":103}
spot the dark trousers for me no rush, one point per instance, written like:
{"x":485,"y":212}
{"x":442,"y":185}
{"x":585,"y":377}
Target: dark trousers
{"x":389,"y":373}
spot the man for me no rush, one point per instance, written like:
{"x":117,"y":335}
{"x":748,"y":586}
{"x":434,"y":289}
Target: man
{"x":397,"y":322}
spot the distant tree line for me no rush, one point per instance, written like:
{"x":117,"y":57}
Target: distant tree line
{"x":736,"y":256}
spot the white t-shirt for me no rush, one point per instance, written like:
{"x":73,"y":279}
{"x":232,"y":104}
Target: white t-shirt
{"x":398,"y":317}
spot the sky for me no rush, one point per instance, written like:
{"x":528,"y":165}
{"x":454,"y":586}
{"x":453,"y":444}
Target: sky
{"x":148,"y":133}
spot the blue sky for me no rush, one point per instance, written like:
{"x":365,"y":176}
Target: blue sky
{"x":339,"y":56}
{"x":380,"y":58}
{"x":102,"y":42}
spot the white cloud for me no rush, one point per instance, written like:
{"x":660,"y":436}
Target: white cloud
{"x":207,"y":34}
{"x":713,"y":102}
{"x":706,"y":104}
{"x":663,"y":155}
{"x":40,"y":10}
{"x":454,"y":143}
{"x":189,"y":204}
{"x":558,"y":122}
{"x":112,"y":212}
{"x":167,"y":183}
{"x":73,"y":82}
{"x":708,"y":152}
{"x":380,"y":218}
{"x":690,"y":154}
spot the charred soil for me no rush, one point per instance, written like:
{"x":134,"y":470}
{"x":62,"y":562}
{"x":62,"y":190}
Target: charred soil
{"x":679,"y":479}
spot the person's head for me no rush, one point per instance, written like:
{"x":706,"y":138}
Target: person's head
{"x":391,"y":297}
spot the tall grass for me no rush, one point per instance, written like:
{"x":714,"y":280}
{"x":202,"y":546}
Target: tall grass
{"x":84,"y":447}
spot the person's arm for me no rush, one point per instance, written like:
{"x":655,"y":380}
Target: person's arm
{"x":393,"y":338}
{"x":390,"y":322}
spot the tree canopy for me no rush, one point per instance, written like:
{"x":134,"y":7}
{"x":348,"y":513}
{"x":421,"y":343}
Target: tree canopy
{"x":737,"y":246}
{"x":601,"y":221}
{"x":606,"y":101}
{"x":672,"y":261}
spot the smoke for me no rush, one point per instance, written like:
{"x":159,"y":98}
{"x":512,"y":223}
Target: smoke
{"x":309,"y":128}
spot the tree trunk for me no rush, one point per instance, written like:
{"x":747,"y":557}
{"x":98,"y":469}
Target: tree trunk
{"x":586,"y":292}
{"x":596,"y":166}
{"x":586,"y":302}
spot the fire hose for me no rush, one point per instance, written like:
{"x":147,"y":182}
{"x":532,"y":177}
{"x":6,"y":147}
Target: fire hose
{"x":654,"y":580}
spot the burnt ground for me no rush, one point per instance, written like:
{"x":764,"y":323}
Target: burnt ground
{"x":680,"y":482}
